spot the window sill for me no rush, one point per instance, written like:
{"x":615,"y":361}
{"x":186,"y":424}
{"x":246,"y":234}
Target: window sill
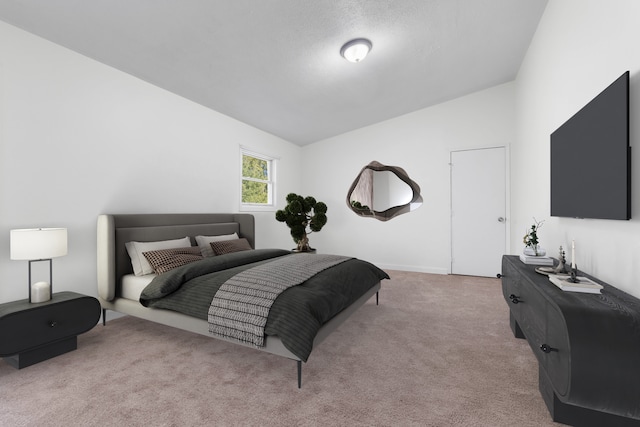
{"x":257,"y":208}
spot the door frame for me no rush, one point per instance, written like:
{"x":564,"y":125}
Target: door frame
{"x":507,"y":181}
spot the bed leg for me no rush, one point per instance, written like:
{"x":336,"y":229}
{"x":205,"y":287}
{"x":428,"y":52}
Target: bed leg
{"x":377,"y":297}
{"x":104,"y":317}
{"x":299,"y":373}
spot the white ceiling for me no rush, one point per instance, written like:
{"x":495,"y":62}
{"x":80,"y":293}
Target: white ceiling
{"x":276,"y":64}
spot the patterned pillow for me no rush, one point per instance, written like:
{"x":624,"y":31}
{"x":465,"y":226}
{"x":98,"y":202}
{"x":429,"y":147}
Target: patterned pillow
{"x":228,"y":246}
{"x":139,"y":263}
{"x":167,"y":259}
{"x":205,"y":247}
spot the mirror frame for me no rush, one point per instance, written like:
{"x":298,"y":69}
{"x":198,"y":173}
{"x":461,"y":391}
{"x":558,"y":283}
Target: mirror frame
{"x":393,"y":211}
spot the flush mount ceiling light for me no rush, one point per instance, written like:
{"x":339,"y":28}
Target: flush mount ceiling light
{"x":356,"y":50}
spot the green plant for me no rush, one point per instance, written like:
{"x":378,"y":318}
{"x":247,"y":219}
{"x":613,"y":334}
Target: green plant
{"x":303,"y":215}
{"x":357,"y":205}
{"x":531,"y":238}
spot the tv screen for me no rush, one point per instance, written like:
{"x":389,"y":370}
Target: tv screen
{"x":590,"y":158}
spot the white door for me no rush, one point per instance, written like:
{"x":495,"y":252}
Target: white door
{"x":478,"y":211}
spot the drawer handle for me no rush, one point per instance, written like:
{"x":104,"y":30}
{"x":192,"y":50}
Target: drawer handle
{"x":547,"y":349}
{"x":514,"y":299}
{"x":53,"y":323}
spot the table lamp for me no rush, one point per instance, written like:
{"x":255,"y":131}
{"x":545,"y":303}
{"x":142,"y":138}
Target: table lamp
{"x":35,"y":245}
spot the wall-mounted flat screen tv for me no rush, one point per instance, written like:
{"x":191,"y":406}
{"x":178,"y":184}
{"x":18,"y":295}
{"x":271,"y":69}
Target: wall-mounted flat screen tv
{"x":591,"y":158}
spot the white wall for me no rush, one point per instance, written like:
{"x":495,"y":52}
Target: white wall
{"x":420,"y":143}
{"x":580,"y":47}
{"x":78,"y":138}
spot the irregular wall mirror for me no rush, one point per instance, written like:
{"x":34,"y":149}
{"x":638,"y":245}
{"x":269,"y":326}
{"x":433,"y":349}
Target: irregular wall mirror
{"x":383,"y":192}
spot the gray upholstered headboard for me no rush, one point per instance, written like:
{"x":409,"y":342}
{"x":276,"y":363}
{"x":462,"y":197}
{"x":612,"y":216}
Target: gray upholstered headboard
{"x":116,"y":230}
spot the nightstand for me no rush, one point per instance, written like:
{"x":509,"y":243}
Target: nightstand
{"x":31,"y":333}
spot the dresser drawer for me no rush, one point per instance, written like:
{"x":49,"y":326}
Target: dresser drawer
{"x":511,"y":289}
{"x":24,"y":326}
{"x":558,"y":361}
{"x":533,"y":307}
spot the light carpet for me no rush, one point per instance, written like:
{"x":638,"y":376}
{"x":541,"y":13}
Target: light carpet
{"x":437,"y":351}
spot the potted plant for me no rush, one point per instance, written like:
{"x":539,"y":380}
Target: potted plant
{"x":303,"y":215}
{"x":359,"y":206}
{"x":531,"y":241}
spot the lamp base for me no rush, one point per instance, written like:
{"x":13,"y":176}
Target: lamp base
{"x":40,"y":292}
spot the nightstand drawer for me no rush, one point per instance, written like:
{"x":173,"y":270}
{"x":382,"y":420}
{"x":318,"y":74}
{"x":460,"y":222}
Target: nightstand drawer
{"x":24,"y":326}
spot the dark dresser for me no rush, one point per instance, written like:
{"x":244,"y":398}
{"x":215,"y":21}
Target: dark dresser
{"x":31,"y":333}
{"x":587,"y":346}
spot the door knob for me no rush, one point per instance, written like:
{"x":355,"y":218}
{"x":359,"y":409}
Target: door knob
{"x":500,"y":219}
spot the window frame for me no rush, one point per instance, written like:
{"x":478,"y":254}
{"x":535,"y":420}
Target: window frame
{"x":271,"y":182}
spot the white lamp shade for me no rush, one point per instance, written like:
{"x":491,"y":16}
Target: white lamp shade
{"x":38,"y":243}
{"x":356,"y":50}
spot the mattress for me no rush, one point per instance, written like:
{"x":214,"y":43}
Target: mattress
{"x":132,"y":285}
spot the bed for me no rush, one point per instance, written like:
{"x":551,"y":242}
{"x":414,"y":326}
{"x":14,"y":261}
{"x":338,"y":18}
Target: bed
{"x":147,"y":296}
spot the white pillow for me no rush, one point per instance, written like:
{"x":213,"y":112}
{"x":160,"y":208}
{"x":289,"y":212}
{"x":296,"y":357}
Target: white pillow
{"x":140,"y":263}
{"x":205,"y":247}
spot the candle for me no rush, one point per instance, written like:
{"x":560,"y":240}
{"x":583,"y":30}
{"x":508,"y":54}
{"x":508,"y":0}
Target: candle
{"x":573,"y":254}
{"x":40,"y":292}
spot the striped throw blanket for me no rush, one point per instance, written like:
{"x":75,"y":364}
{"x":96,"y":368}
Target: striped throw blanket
{"x":240,"y":308}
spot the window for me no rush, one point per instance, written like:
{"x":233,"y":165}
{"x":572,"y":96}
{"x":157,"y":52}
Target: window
{"x":258,"y":181}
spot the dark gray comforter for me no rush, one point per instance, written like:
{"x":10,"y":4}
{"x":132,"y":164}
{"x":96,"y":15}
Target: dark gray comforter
{"x":297,"y":313}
